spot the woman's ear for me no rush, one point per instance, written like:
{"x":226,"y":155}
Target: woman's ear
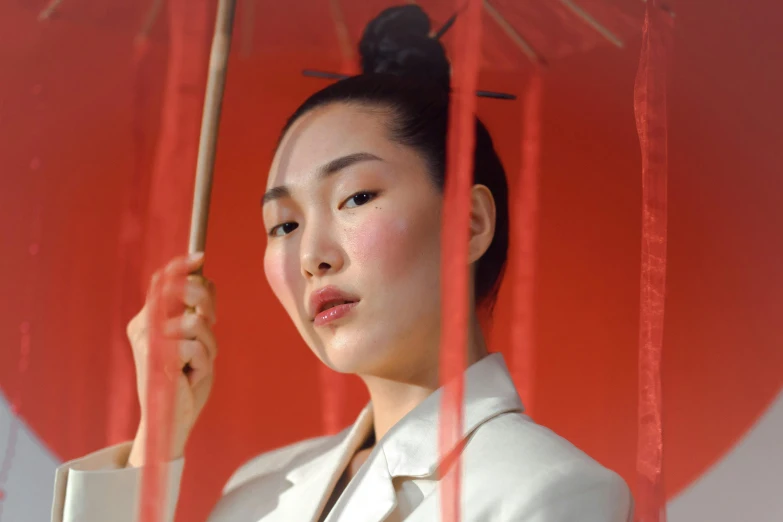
{"x":482,"y":222}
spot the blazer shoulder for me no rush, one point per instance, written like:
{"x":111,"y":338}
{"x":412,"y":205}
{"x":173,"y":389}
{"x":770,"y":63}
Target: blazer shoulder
{"x":515,"y":438}
{"x":536,"y":470}
{"x":281,"y":459}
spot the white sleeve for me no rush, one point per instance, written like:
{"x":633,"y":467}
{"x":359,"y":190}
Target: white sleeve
{"x":98,"y":488}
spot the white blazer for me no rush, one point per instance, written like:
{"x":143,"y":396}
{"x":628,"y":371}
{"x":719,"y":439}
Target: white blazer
{"x":513,"y":470}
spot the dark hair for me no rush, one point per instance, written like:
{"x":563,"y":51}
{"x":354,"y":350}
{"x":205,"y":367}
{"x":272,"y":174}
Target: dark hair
{"x":406,"y":72}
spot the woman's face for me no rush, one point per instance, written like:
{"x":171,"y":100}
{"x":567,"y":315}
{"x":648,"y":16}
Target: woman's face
{"x":353,"y":252}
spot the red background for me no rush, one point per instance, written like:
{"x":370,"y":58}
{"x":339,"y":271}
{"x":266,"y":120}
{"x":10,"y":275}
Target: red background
{"x":69,"y":98}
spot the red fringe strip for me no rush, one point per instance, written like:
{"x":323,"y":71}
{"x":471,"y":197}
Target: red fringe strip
{"x":171,"y":193}
{"x":454,"y":247}
{"x":651,"y":122}
{"x":524,"y":211}
{"x":333,"y":385}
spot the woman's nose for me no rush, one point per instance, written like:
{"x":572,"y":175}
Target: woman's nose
{"x":320,"y":254}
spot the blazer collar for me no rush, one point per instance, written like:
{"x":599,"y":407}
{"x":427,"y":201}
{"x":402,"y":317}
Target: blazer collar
{"x":348,"y":442}
{"x":411,"y":446}
{"x":316,"y":479}
{"x":409,"y":449}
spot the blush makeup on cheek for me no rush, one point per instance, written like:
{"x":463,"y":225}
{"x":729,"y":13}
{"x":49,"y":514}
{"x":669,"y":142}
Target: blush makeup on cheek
{"x":382,"y":242}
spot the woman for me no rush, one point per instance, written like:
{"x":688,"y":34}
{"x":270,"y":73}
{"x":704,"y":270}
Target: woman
{"x":352,"y":210}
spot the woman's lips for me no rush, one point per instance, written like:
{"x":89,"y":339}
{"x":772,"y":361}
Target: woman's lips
{"x":333,"y":314}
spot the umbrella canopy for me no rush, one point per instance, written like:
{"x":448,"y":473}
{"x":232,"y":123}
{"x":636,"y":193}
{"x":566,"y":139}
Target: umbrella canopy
{"x":539,"y":29}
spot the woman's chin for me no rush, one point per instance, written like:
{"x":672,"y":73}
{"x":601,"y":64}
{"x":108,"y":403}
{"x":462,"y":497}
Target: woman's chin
{"x":365,"y":359}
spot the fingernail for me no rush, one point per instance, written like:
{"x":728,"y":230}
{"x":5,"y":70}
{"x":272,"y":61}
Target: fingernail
{"x":197,"y":256}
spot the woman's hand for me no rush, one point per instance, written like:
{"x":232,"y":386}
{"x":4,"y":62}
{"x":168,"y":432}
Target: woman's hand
{"x":188,"y":306}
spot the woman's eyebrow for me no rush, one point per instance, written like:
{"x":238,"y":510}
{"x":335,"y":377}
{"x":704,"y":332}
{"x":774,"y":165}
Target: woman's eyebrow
{"x":336,"y":165}
{"x":275,"y":193}
{"x":333,"y":167}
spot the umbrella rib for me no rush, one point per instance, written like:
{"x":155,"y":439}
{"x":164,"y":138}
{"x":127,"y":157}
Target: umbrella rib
{"x":342,"y":31}
{"x":248,"y":26}
{"x":438,"y":34}
{"x":592,"y":22}
{"x":665,"y":8}
{"x":513,"y":34}
{"x":50,"y":9}
{"x":149,"y":20}
{"x":445,"y":27}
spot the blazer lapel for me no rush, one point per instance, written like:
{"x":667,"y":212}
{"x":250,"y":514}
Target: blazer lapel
{"x":370,"y":496}
{"x":314,"y":481}
{"x":410,"y":450}
{"x":411,"y":447}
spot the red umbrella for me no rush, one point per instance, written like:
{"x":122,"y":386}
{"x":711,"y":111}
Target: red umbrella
{"x":555,"y":36}
{"x":541,"y":31}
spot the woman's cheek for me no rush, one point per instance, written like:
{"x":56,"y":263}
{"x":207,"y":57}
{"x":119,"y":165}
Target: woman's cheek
{"x":383,"y":242}
{"x":278,"y":271}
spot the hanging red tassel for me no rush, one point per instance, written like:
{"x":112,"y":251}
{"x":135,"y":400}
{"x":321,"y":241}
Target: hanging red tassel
{"x":170,"y":201}
{"x":161,"y":387}
{"x":651,"y":122}
{"x":454,"y":248}
{"x":333,"y":385}
{"x":524,"y":210}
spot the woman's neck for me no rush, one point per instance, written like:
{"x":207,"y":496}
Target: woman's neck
{"x":392,"y":399}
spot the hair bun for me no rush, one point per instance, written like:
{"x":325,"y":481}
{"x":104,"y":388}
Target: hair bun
{"x":397,"y":41}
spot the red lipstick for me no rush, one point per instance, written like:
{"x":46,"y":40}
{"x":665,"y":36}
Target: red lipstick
{"x":329,"y":304}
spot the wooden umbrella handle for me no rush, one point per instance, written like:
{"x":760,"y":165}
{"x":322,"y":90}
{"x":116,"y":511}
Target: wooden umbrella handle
{"x":210,"y":122}
{"x":216,"y":81}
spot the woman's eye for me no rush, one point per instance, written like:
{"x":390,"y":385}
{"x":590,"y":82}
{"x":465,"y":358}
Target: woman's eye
{"x":283,"y":229}
{"x":359,"y":199}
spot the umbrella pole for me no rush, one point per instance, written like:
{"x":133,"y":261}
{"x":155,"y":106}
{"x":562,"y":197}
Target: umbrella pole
{"x":216,"y":81}
{"x":210,"y":121}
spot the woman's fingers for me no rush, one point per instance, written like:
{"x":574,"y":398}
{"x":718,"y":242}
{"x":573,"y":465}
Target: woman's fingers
{"x":194,"y":354}
{"x":212,"y":301}
{"x":184,"y":265}
{"x":177,"y":289}
{"x":193,"y":294}
{"x":177,"y":268}
{"x":198,"y":295}
{"x":191,"y":326}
